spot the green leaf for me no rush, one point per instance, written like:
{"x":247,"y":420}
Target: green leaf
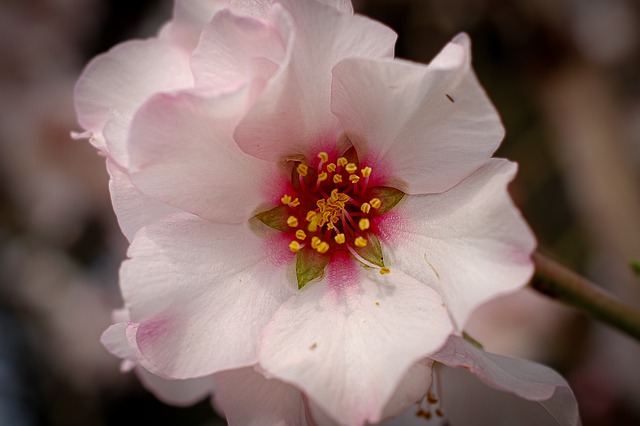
{"x":372,"y":252}
{"x":276,"y":218}
{"x":388,"y":196}
{"x":309,"y":266}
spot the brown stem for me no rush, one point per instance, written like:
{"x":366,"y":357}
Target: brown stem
{"x":560,"y":283}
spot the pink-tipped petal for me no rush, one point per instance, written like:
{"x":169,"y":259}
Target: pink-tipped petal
{"x":526,"y":379}
{"x":182,"y":154}
{"x":469,"y":243}
{"x":247,"y":398}
{"x":348,"y":347}
{"x":199,"y":294}
{"x":427,"y":126}
{"x":297,"y":99}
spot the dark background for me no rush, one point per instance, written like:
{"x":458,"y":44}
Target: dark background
{"x":564,"y":75}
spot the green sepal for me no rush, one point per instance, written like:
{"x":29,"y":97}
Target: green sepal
{"x":387,"y":195}
{"x":309,"y":265}
{"x":372,"y":252}
{"x":276,"y":218}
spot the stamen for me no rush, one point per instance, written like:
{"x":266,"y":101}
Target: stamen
{"x":354,"y":178}
{"x":331,"y":167}
{"x":300,"y":234}
{"x":384,"y":270}
{"x":337,"y":178}
{"x":366,"y":172}
{"x":302,"y":169}
{"x":342,"y":161}
{"x":351,"y":168}
{"x":375,"y":203}
{"x":286,"y":199}
{"x":323,"y":156}
{"x":364,"y":224}
{"x":365,"y":208}
{"x":360,"y":242}
{"x":292,"y":221}
{"x":315,"y":242}
{"x":294,"y":203}
{"x":323,"y":247}
{"x":322,"y":176}
{"x":294,"y":246}
{"x":310,"y":215}
{"x":340,"y":238}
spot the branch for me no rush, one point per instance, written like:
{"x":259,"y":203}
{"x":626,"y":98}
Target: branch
{"x":558,"y":282}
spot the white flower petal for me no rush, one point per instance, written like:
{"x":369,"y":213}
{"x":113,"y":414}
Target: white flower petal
{"x":526,"y":379}
{"x":177,"y":392}
{"x":425,"y":127}
{"x":115,"y":340}
{"x":293,"y":113}
{"x":123,"y":78}
{"x":247,"y":398}
{"x":348,"y":345}
{"x":200,"y":293}
{"x":469,"y":243}
{"x":182,"y":154}
{"x":189,"y":17}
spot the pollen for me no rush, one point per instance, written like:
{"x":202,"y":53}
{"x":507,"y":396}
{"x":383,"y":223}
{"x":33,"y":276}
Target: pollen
{"x":337,"y":178}
{"x":384,"y":270}
{"x":342,"y":161}
{"x":354,"y":178}
{"x":294,"y":203}
{"x":300,"y":234}
{"x":302,"y":169}
{"x":360,"y":242}
{"x":323,"y":176}
{"x":292,"y":221}
{"x":310,"y":215}
{"x":323,"y":156}
{"x":366,"y":172}
{"x":331,"y":167}
{"x":375,"y":203}
{"x":340,"y":238}
{"x":365,"y":208}
{"x":351,"y":168}
{"x":315,"y":242}
{"x":286,"y":199}
{"x":364,"y":224}
{"x":323,"y":247}
{"x":294,"y":246}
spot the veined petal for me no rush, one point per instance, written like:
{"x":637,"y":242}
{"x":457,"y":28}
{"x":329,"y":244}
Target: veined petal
{"x":327,"y":340}
{"x":200,"y":293}
{"x":297,"y":99}
{"x":234,"y":49}
{"x":126,"y":76}
{"x":469,"y":243}
{"x":526,"y":379}
{"x":134,"y":209}
{"x":426,"y":127}
{"x":247,"y":398}
{"x":182,"y":153}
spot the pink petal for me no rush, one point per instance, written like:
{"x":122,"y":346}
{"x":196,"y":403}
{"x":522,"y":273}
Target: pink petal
{"x":528,"y":380}
{"x":293,"y":114}
{"x":189,"y":17}
{"x":177,"y":392}
{"x":200,"y":293}
{"x":348,"y":348}
{"x":412,"y":388}
{"x":134,"y":209}
{"x":126,"y":76}
{"x":247,"y":398}
{"x":234,"y":49}
{"x":182,"y":154}
{"x":114,"y":339}
{"x":469,"y":243}
{"x":427,"y":127}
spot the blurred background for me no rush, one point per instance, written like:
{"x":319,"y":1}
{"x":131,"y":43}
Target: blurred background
{"x":564,"y":74}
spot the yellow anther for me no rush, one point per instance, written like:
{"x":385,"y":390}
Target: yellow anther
{"x":384,"y":270}
{"x":323,"y":247}
{"x":364,"y":224}
{"x":342,"y":161}
{"x":366,"y":172}
{"x":335,"y":195}
{"x":286,"y":199}
{"x":351,"y":168}
{"x":310,"y":215}
{"x":360,"y":242}
{"x":340,"y":238}
{"x":294,"y":203}
{"x":302,"y":169}
{"x":313,"y":226}
{"x":365,"y":208}
{"x":323,"y":156}
{"x":337,"y":178}
{"x":354,"y":178}
{"x":331,"y":167}
{"x":322,"y":176}
{"x":300,"y":234}
{"x":294,"y":246}
{"x":375,"y":203}
{"x":315,"y":242}
{"x":330,"y":225}
{"x":292,"y":221}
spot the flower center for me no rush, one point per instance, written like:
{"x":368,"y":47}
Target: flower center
{"x":330,"y":206}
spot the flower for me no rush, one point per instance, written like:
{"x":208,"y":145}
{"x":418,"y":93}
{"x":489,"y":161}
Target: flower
{"x":297,"y":200}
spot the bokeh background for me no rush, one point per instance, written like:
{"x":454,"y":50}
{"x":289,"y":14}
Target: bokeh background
{"x":564,"y":74}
